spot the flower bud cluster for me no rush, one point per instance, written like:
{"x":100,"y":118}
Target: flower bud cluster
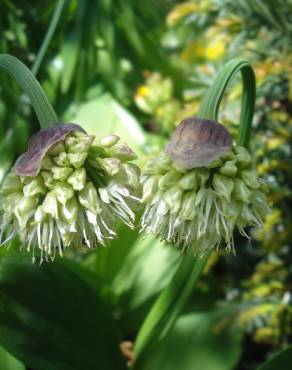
{"x":80,"y":192}
{"x":201,"y":207}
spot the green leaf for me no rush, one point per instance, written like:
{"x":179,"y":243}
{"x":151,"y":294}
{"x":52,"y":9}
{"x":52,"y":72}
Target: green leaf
{"x":8,"y":362}
{"x":104,"y":116}
{"x":280,"y":360}
{"x":50,"y":318}
{"x":198,"y":341}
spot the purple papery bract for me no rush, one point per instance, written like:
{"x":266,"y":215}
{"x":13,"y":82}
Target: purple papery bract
{"x":197,"y":142}
{"x":29,"y":163}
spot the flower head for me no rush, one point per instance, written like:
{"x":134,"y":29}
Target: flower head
{"x":67,"y":190}
{"x":201,"y":188}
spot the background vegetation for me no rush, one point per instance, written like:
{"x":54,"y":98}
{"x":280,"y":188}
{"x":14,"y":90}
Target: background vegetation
{"x":136,"y":68}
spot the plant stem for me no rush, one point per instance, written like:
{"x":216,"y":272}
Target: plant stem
{"x":169,"y":305}
{"x":49,"y":34}
{"x":31,"y":87}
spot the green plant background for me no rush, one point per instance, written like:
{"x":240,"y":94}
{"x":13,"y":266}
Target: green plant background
{"x":136,"y":68}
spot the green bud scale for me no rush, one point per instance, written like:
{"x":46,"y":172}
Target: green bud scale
{"x":66,"y":190}
{"x":196,"y":196}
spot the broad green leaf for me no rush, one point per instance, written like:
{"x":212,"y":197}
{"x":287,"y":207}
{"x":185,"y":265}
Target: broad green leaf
{"x":198,"y":341}
{"x":279,"y":361}
{"x":104,"y":116}
{"x":50,"y":318}
{"x":8,"y":362}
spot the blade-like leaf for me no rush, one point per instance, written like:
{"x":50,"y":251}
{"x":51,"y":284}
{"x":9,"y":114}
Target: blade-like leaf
{"x":281,"y":360}
{"x":50,"y":318}
{"x":8,"y":362}
{"x":198,"y":341}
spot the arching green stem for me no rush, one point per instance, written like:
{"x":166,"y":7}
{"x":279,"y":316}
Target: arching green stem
{"x":31,"y":87}
{"x":169,"y":305}
{"x":210,"y":105}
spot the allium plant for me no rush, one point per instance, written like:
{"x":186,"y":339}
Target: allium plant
{"x":201,"y":188}
{"x":68,"y":191}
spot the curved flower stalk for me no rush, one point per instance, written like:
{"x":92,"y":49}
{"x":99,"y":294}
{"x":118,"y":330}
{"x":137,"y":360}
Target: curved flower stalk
{"x":202,"y":188}
{"x":68,"y":191}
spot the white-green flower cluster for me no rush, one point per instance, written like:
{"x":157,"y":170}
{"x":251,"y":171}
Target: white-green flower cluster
{"x":77,"y":197}
{"x":201,"y":207}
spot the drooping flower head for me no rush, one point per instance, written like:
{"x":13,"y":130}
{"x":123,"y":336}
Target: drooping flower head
{"x":67,"y":190}
{"x":201,"y":188}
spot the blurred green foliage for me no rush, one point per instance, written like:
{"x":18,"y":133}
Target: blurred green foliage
{"x":136,"y":68}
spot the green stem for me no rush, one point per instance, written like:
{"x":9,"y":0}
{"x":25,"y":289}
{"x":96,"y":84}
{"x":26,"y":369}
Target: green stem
{"x":31,"y":87}
{"x":210,"y":105}
{"x":169,"y":305}
{"x":50,"y":32}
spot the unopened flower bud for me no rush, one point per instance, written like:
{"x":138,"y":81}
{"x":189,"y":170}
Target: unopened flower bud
{"x":11,"y":183}
{"x":89,"y":199}
{"x":122,"y":152}
{"x":49,"y":180}
{"x":203,"y":175}
{"x":150,"y":187}
{"x":111,"y":165}
{"x":77,"y":159}
{"x":168,"y":180}
{"x":241,"y":191}
{"x":189,"y":181}
{"x":188,"y":210}
{"x":250,"y":177}
{"x":63,"y":192}
{"x":61,"y":173}
{"x":79,"y":144}
{"x":173,"y":198}
{"x":243,"y":158}
{"x":36,"y":186}
{"x":109,"y":141}
{"x":77,"y":179}
{"x":47,"y":162}
{"x":25,"y":205}
{"x":228,"y":169}
{"x":69,"y":211}
{"x":50,"y":204}
{"x":61,"y":160}
{"x":223,"y":186}
{"x":56,"y":149}
{"x":132,"y":176}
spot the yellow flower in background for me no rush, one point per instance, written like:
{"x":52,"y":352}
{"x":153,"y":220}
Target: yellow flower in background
{"x":215,"y":50}
{"x":275,"y":141}
{"x":184,"y":9}
{"x":143,"y":90}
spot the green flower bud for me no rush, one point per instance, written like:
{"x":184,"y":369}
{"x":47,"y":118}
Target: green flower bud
{"x":79,"y":142}
{"x":189,"y":181}
{"x":188,"y":210}
{"x":11,"y":184}
{"x":109,"y":141}
{"x":228,"y":169}
{"x":56,"y":149}
{"x":77,"y":159}
{"x":122,"y":152}
{"x":61,"y":173}
{"x":64,"y":192}
{"x":111,"y":165}
{"x":12,"y":200}
{"x":49,"y":180}
{"x":36,"y":186}
{"x":215,"y":163}
{"x":228,"y":156}
{"x":77,"y":179}
{"x":149,"y":187}
{"x":50,"y":204}
{"x":47,"y":162}
{"x":203,"y":175}
{"x":223,"y":186}
{"x":24,"y":206}
{"x":89,"y":199}
{"x":250,"y":177}
{"x":168,"y":180}
{"x":243,"y":158}
{"x":241,"y":191}
{"x":173,"y":198}
{"x":61,"y":160}
{"x":69,"y":211}
{"x":132,"y":176}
